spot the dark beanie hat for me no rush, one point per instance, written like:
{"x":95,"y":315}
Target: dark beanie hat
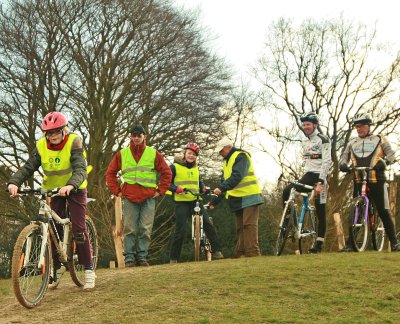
{"x":138,"y":129}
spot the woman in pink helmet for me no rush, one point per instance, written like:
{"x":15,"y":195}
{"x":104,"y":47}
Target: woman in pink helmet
{"x":61,"y":156}
{"x":185,"y":174}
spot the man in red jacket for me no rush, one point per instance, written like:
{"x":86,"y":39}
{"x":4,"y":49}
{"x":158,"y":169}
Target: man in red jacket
{"x":139,"y":165}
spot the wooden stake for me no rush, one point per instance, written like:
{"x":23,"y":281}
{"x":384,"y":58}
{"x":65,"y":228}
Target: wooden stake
{"x":117,"y":232}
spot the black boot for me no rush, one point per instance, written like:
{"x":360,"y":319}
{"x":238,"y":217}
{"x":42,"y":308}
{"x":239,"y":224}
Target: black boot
{"x":317,"y":248}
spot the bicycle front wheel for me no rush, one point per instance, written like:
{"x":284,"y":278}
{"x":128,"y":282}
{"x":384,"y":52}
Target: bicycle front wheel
{"x":308,"y":233}
{"x":30,"y":279}
{"x":378,"y":234}
{"x":359,"y":227}
{"x":77,"y":270}
{"x":196,"y":237}
{"x":285,"y":228}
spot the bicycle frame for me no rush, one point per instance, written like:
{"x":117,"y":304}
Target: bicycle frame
{"x":47,"y":216}
{"x":299,"y":232}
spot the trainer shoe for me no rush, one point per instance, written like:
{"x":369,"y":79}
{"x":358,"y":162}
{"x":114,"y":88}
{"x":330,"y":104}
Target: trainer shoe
{"x":90,"y":278}
{"x":217,"y":255}
{"x":55,"y":280}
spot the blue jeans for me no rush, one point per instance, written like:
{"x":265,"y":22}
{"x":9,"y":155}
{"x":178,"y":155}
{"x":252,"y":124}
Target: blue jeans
{"x":138,"y":225}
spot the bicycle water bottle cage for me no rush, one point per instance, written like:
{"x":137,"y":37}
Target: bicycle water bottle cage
{"x":80,"y":238}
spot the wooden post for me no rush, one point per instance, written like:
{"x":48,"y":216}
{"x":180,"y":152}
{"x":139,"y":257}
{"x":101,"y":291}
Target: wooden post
{"x":392,"y":204}
{"x":117,"y":232}
{"x":339,"y":230}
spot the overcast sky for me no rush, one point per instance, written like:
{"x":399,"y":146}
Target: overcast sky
{"x":241,"y":25}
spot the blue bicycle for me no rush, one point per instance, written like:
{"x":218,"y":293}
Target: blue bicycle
{"x":294,"y":226}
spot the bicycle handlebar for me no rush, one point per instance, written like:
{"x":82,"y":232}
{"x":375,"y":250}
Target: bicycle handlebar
{"x":200,"y":193}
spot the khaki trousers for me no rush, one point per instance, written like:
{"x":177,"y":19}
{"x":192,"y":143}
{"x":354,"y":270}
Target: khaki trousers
{"x":247,"y":232}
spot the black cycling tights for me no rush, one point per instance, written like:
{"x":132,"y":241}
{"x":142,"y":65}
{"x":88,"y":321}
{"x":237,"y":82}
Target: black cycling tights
{"x":310,"y":179}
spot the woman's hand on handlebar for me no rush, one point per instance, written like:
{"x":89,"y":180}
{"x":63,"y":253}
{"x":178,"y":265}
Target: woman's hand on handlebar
{"x":65,"y":191}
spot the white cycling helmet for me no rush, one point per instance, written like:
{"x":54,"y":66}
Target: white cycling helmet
{"x":362,"y":118}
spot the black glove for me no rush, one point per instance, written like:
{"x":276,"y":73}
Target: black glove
{"x":344,"y":167}
{"x":380,"y":165}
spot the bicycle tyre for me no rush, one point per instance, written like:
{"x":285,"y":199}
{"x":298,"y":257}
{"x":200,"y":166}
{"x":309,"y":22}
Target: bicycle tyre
{"x":285,"y":229}
{"x":76,"y":270}
{"x":358,"y":231}
{"x":378,"y":234}
{"x":30,"y":282}
{"x":309,"y":227}
{"x":196,"y":224}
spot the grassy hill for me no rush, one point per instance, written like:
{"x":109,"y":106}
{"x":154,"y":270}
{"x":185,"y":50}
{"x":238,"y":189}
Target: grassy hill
{"x":331,"y":287}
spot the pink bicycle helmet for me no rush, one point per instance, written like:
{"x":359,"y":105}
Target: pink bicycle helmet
{"x":194,"y":147}
{"x":54,"y":120}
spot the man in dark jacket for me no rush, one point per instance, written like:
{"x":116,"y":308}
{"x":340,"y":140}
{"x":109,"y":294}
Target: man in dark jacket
{"x":239,"y":186}
{"x":139,"y":165}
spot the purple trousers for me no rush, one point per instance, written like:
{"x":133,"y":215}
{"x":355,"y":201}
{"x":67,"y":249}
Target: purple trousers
{"x":77,"y":208}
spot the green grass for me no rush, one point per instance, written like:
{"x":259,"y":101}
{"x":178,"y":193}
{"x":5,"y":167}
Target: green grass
{"x":331,"y":287}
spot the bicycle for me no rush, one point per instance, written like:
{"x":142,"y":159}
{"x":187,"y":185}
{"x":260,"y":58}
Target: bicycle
{"x":301,"y":228}
{"x":201,"y":242}
{"x":364,"y":217}
{"x":33,"y":268}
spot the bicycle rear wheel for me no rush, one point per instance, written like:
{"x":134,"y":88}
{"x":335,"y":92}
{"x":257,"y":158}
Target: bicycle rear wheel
{"x":77,"y":270}
{"x":359,"y":228}
{"x":29,"y":278}
{"x":285,"y":228}
{"x":196,"y":237}
{"x":308,"y":232}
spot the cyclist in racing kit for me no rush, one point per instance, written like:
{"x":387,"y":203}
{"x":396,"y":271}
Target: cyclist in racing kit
{"x":375,"y":152}
{"x":61,"y":156}
{"x":185,"y":174}
{"x":317,"y":161}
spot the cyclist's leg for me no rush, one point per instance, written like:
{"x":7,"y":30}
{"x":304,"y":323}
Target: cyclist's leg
{"x":182,"y":213}
{"x":77,"y":207}
{"x":378,"y":193}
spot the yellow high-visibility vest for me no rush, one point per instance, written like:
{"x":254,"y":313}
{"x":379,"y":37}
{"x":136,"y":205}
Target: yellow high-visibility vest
{"x":248,"y":185}
{"x":56,"y":165}
{"x":186,"y":178}
{"x":142,"y":172}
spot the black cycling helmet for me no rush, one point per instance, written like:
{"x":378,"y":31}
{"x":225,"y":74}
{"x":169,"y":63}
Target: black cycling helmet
{"x":310,"y":117}
{"x":362,"y":118}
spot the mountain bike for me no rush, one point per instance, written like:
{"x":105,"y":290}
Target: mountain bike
{"x":364,"y":217}
{"x":33,"y":268}
{"x":295,"y":226}
{"x":201,"y":242}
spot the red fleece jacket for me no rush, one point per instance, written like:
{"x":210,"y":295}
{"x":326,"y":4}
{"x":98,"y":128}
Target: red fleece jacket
{"x":135,"y":192}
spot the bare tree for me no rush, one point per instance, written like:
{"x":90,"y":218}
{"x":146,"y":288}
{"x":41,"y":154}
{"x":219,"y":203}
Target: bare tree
{"x":107,"y":65}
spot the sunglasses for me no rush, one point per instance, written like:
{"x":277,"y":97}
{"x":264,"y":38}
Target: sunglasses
{"x":54,"y":132}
